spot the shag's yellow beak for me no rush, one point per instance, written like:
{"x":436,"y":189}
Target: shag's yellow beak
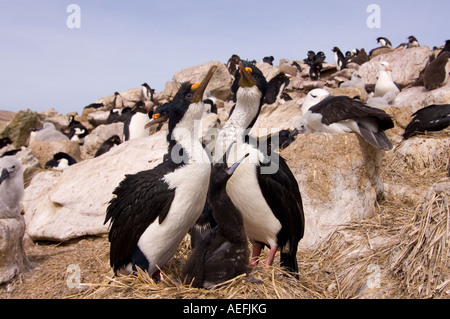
{"x":199,"y":88}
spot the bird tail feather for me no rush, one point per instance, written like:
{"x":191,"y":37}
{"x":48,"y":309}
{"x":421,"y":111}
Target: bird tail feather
{"x":378,"y":139}
{"x":289,"y":261}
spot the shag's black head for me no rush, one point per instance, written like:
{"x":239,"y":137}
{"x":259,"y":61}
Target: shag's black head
{"x":161,"y":112}
{"x":248,"y":75}
{"x":336,"y":49}
{"x":187,"y":94}
{"x":180,"y":103}
{"x":412,"y":38}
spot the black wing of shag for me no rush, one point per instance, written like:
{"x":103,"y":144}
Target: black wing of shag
{"x":284,"y":199}
{"x":140,"y":199}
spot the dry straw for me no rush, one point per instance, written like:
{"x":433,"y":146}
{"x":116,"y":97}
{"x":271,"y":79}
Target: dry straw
{"x":424,"y":258}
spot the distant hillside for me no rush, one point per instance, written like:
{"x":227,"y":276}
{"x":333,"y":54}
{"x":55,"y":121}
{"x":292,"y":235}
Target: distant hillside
{"x":5,"y":117}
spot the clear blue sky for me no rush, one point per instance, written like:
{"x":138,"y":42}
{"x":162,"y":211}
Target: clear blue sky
{"x":121,"y":44}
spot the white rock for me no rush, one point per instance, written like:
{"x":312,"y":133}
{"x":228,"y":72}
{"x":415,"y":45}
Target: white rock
{"x":61,"y":206}
{"x":97,"y":118}
{"x":418,"y":97}
{"x":29,"y":162}
{"x":276,"y":117}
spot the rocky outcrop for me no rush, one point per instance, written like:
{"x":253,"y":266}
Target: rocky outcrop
{"x":19,"y":128}
{"x":338,"y":176}
{"x":406,"y":65}
{"x":29,"y":162}
{"x":351,"y":92}
{"x":129,"y":99}
{"x":418,"y":97}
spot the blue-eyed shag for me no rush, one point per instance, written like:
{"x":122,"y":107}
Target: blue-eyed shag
{"x":270,"y":204}
{"x":153,"y":210}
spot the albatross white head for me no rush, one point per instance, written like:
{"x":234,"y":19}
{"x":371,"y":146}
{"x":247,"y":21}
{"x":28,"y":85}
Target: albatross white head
{"x":315,"y":96}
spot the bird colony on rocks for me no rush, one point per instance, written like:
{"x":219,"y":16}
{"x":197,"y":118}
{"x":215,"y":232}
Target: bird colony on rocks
{"x":234,"y":157}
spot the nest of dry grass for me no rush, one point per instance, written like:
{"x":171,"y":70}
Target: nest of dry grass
{"x":261,"y":283}
{"x":424,"y":254}
{"x":399,"y":252}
